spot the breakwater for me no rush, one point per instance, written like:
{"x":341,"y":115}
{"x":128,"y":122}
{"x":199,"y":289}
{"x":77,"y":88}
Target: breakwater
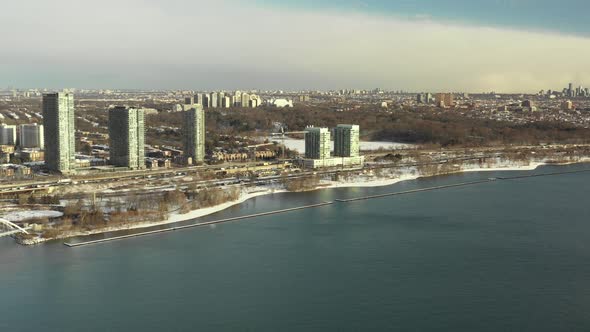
{"x":208,"y":223}
{"x":462,"y":184}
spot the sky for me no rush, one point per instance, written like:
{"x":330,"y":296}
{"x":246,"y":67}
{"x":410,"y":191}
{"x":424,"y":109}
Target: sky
{"x":414,"y":45}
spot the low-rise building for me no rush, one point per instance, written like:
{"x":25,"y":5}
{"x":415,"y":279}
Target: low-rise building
{"x":334,"y":162}
{"x":164,"y":163}
{"x":32,"y":155}
{"x":567,"y":105}
{"x":151,"y":163}
{"x":281,"y":103}
{"x":7,"y":149}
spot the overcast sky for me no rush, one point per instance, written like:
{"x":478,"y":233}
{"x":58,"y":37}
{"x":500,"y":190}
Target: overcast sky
{"x":418,"y":45}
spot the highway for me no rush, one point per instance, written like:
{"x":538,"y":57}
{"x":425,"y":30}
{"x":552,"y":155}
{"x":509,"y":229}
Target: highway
{"x":152,"y":175}
{"x":149,"y":176}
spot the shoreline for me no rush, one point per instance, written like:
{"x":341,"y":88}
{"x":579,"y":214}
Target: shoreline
{"x":195,"y":214}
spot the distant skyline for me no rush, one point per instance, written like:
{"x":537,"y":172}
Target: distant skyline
{"x":420,"y":45}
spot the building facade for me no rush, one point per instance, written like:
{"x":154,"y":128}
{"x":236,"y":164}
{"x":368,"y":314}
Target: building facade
{"x":198,"y":98}
{"x":445,"y":100}
{"x":245,"y":100}
{"x":127,"y":137}
{"x":194,"y":134}
{"x":226,"y":102}
{"x":334,"y":162}
{"x":58,"y":123}
{"x":280,"y":103}
{"x":213,"y":99}
{"x":31,"y":136}
{"x":346,"y":141}
{"x":317,"y":143}
{"x":7,"y":135}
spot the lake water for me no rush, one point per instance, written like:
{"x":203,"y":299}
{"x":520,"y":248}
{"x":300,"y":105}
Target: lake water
{"x":500,"y":256}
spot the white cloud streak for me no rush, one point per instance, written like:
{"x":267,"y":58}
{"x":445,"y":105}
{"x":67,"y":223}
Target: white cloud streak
{"x":228,"y":44}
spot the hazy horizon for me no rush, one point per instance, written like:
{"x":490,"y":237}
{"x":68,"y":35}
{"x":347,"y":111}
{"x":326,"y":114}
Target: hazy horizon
{"x":447,"y":45}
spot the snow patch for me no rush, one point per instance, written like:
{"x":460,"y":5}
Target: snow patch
{"x":18,"y":216}
{"x":299,"y":145}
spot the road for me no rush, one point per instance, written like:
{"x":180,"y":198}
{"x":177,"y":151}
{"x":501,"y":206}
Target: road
{"x":150,"y":177}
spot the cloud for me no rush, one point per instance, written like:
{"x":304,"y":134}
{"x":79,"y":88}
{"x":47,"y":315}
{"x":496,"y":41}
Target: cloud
{"x":229,"y":44}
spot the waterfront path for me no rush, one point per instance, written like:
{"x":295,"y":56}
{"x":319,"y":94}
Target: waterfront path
{"x":208,"y":223}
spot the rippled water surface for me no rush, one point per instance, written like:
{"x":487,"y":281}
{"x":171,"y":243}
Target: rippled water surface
{"x":505,"y":255}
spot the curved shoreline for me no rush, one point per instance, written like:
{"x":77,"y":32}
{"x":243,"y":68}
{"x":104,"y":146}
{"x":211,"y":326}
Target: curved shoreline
{"x":195,"y":214}
{"x":175,"y":218}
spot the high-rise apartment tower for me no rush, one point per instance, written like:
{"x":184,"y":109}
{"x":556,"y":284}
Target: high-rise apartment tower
{"x":59,"y":131}
{"x":127,"y":137}
{"x":317,"y":143}
{"x":346,"y":141}
{"x":194,"y":134}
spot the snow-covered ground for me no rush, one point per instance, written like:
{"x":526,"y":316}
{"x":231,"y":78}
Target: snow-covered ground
{"x":299,"y":144}
{"x":365,"y":180}
{"x":31,"y":214}
{"x":359,"y":181}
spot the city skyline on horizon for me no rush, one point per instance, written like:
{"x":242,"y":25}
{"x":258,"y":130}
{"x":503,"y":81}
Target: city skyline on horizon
{"x":44,"y":90}
{"x":264,"y":45}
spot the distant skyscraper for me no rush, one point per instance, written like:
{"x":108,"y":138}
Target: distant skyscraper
{"x":31,"y":136}
{"x":420,"y":98}
{"x":256,"y":101}
{"x":188,"y":103}
{"x":445,"y":100}
{"x":127,"y":137}
{"x":346,"y":141}
{"x":198,"y":99}
{"x":213,"y":100}
{"x":194,"y":134}
{"x":237,"y":98}
{"x":245,"y":100}
{"x":7,"y":135}
{"x":317,"y":143}
{"x":226,"y":102}
{"x":58,"y":123}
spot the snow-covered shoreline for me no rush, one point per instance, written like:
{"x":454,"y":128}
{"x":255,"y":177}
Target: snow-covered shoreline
{"x":173,"y":218}
{"x":380,"y":182}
